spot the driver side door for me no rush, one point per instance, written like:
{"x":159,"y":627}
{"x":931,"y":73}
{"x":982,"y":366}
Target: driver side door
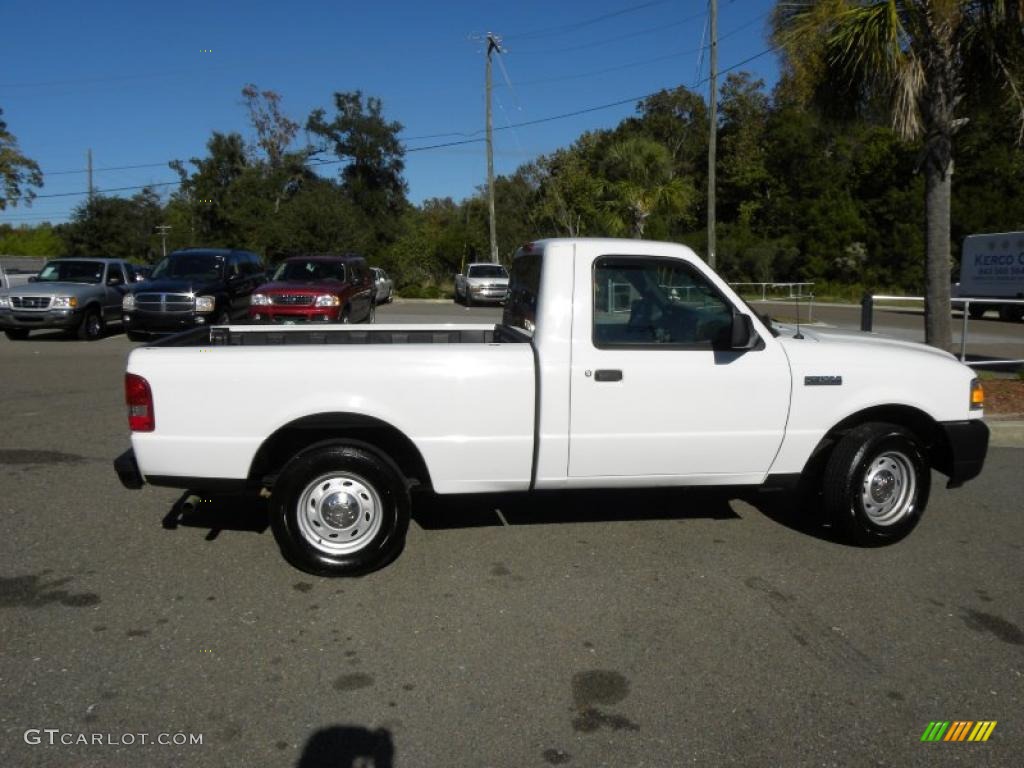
{"x":656,"y":392}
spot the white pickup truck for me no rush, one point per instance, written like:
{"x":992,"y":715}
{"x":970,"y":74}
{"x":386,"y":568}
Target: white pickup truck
{"x":618,"y":363}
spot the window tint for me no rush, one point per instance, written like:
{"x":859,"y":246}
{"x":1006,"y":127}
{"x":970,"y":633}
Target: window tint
{"x":523,"y":289}
{"x":652,"y":302}
{"x":129,"y":272}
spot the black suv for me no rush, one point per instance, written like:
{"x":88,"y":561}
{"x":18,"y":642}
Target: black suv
{"x":195,"y":286}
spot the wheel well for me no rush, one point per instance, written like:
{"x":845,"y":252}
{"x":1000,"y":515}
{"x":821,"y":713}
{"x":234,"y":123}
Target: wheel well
{"x":302,"y":433}
{"x":933,"y":439}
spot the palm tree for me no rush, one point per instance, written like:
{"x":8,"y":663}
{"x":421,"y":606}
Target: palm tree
{"x":639,"y":181}
{"x":911,"y":59}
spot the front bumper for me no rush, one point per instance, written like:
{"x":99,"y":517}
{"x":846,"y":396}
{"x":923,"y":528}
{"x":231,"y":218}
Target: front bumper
{"x":161,"y":323}
{"x":128,"y":470}
{"x":296,"y":315}
{"x":968,"y":444}
{"x":49,"y":318}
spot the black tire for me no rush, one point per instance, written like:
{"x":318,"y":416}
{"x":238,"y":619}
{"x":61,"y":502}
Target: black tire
{"x":223,"y":318}
{"x":91,"y":327}
{"x":877,"y":461}
{"x":1011,"y":313}
{"x":372,"y":316}
{"x":345,"y":318}
{"x":376,"y":478}
{"x":976,"y":311}
{"x":469,"y":299}
{"x":16,"y":334}
{"x":390,"y":298}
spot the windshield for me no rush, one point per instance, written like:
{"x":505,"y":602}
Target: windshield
{"x":71,"y":272}
{"x":202,"y":266}
{"x":487,"y":270}
{"x":310,"y":271}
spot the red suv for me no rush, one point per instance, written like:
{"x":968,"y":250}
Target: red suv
{"x":316,"y":289}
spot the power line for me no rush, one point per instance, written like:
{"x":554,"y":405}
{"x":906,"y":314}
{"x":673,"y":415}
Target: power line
{"x":553,"y":31}
{"x":110,"y":168}
{"x":109,"y":189}
{"x":607,"y":40}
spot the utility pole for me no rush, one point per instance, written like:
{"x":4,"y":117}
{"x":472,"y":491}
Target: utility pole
{"x":88,"y":156}
{"x":164,"y":229}
{"x":493,"y":44}
{"x":712,"y":132}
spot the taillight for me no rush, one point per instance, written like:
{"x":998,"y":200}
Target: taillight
{"x":139,"y":398}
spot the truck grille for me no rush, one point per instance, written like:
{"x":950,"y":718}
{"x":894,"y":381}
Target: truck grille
{"x":30,"y":302}
{"x":292,"y":300}
{"x":164,"y":302}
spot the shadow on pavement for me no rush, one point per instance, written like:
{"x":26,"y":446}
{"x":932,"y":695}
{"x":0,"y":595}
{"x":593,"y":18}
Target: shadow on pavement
{"x":434,"y":512}
{"x":218,"y":513}
{"x":348,"y":746}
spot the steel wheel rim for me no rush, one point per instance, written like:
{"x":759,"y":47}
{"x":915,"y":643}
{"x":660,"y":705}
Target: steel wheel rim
{"x":339,"y":513}
{"x":889,"y":488}
{"x":92,"y":325}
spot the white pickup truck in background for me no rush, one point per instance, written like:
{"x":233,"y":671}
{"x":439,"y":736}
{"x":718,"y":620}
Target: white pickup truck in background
{"x":618,"y":363}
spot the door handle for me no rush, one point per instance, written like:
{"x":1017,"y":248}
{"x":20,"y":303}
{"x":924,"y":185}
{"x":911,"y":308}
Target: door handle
{"x":608,"y":375}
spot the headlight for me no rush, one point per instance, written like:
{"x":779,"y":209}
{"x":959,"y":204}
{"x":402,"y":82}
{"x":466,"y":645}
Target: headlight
{"x":5,"y":301}
{"x":128,"y":302}
{"x":64,"y":302}
{"x":205,"y":303}
{"x":260,"y":300}
{"x":327,"y":301}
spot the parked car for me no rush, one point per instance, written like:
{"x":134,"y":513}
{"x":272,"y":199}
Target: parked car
{"x":195,"y":286}
{"x":385,"y":289}
{"x":78,"y":295}
{"x":316,"y":289}
{"x":681,"y":385}
{"x":482,"y":282}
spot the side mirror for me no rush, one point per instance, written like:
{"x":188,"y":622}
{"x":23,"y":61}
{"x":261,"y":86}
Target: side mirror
{"x":742,"y":335}
{"x":113,"y":281}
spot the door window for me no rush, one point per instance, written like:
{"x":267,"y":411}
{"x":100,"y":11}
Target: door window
{"x":665,"y":303}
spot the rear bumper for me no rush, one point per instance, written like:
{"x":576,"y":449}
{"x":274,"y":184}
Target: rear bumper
{"x":968,"y":445}
{"x":128,"y":470}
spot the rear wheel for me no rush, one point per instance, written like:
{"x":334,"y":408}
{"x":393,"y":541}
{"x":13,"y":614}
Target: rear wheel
{"x":91,"y":327}
{"x":876,"y":484}
{"x":339,"y":510}
{"x":16,"y":334}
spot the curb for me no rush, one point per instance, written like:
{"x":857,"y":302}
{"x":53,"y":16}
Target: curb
{"x":1006,"y":431}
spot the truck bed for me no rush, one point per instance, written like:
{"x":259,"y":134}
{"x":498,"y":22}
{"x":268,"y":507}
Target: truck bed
{"x":267,"y":335}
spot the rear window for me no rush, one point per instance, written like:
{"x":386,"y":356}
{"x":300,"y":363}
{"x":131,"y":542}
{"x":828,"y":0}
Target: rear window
{"x":488,"y":270}
{"x":523,"y":290}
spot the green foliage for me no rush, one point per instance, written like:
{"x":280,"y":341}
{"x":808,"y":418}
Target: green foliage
{"x":18,"y":174}
{"x":30,"y":241}
{"x":115,"y":227}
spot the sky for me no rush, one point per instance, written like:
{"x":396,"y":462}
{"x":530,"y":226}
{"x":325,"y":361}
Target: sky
{"x":142,"y":83}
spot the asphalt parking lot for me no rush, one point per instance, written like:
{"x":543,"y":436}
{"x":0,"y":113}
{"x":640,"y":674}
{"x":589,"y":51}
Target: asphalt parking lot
{"x":662,"y":628}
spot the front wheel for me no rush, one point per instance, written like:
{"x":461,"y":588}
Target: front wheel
{"x":339,"y":510}
{"x":876,"y":484}
{"x":91,"y":327}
